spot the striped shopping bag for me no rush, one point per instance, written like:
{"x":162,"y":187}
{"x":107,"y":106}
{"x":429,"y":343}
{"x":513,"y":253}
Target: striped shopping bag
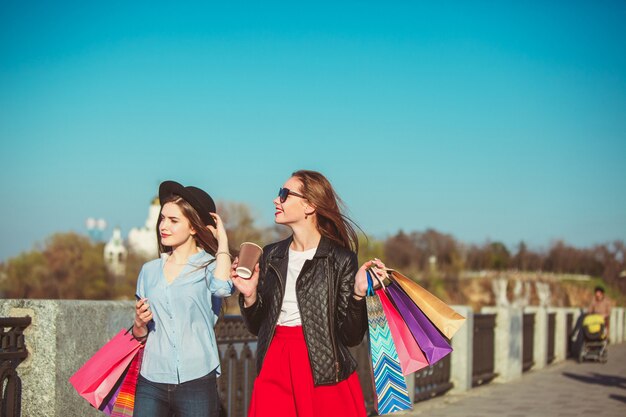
{"x":391,"y":390}
{"x":125,"y":401}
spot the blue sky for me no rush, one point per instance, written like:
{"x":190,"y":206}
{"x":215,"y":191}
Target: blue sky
{"x":484,"y":120}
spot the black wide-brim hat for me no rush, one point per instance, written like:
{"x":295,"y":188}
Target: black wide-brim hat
{"x":197,"y":198}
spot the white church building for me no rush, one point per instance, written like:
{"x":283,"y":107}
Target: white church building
{"x":141,"y":241}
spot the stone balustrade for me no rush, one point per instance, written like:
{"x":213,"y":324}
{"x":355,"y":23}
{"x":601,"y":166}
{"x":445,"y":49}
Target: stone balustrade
{"x":64,"y":334}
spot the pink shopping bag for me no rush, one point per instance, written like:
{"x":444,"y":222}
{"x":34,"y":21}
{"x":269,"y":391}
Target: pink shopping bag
{"x":412,"y":358}
{"x":101,"y":374}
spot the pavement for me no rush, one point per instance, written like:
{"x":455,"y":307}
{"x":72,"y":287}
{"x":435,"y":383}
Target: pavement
{"x":564,"y":389}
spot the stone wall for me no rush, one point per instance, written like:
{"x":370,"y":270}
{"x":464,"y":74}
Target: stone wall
{"x":65,"y":334}
{"x":62,"y":336}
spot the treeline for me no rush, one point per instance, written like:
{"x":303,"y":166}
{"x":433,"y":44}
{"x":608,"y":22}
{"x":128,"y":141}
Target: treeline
{"x":421,"y":251}
{"x":71,"y":266}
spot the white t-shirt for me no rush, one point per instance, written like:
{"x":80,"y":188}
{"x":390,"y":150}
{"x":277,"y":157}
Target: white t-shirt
{"x":289,"y":312}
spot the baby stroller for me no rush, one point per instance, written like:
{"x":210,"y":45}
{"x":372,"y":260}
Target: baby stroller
{"x":594,"y":339}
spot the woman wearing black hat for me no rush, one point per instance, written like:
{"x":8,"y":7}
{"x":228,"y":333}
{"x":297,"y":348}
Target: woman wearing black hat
{"x":175,"y":312}
{"x":306,"y":303}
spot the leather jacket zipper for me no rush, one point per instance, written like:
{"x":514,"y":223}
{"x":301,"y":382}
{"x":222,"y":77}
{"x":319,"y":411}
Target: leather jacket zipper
{"x":331,"y":322}
{"x":307,"y":265}
{"x":280,"y":278}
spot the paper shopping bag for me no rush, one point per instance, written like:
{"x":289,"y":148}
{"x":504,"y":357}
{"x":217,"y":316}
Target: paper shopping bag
{"x":432,"y":343}
{"x":124,"y":405}
{"x":439,"y":313}
{"x":412,"y":358}
{"x":101,"y":374}
{"x":390,"y":387}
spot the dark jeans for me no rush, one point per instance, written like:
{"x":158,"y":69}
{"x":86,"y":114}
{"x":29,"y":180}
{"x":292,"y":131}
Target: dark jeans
{"x":196,"y":398}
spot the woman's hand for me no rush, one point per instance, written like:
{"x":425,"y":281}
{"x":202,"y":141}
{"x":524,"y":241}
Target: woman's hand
{"x":219,"y":231}
{"x":247,"y":287}
{"x":143,"y":315}
{"x":223,"y":263}
{"x":360,"y":281}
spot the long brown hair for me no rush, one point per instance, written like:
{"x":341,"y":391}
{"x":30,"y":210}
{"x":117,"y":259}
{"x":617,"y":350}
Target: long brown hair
{"x":204,"y":238}
{"x":331,"y":222}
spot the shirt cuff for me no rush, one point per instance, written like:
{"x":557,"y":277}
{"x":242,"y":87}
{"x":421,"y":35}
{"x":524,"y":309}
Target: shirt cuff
{"x":221,"y":288}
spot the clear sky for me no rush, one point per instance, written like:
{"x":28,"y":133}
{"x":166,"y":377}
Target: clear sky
{"x":486,"y":120}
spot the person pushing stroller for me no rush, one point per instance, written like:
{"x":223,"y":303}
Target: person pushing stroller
{"x":590,"y":336}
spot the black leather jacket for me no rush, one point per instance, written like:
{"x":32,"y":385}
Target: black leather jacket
{"x":332,"y":319}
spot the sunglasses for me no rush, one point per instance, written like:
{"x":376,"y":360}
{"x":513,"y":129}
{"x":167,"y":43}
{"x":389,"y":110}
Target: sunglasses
{"x":283,"y":193}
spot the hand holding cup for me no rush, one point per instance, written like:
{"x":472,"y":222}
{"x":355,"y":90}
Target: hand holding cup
{"x":247,"y":287}
{"x":249,"y":255}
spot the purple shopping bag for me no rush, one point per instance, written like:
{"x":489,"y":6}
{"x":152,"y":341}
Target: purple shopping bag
{"x":432,"y":343}
{"x":411,"y":356}
{"x":108,"y":408}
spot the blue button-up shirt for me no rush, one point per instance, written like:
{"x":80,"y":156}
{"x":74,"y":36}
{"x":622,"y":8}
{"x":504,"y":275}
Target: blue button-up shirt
{"x":181,"y":345}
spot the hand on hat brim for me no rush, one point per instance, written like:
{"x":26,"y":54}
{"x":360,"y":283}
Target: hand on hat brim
{"x":218,"y":231}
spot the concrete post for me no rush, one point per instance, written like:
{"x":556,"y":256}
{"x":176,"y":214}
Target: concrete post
{"x":619,"y":325}
{"x":410,"y":386}
{"x":621,"y":317}
{"x":622,"y":324}
{"x":560,"y":334}
{"x":576,"y":313}
{"x":540,"y":336}
{"x":462,"y":354}
{"x":509,"y":331}
{"x":613,"y":329}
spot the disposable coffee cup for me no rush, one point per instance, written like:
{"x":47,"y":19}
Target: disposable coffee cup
{"x":249,"y":255}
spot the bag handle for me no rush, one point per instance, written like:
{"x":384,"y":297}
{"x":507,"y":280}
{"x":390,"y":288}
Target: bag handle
{"x":370,"y":281}
{"x":370,"y":284}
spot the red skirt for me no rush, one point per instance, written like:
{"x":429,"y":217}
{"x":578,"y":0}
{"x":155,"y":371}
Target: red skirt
{"x":285,"y":385}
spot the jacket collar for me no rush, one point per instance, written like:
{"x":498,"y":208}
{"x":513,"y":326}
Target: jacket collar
{"x":282,"y":248}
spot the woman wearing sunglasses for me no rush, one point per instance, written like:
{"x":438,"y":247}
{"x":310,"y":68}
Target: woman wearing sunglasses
{"x":306,"y":303}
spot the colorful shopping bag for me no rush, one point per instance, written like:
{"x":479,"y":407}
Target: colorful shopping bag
{"x":439,"y":313}
{"x":432,"y":343}
{"x":412,"y":358}
{"x":110,"y":400}
{"x":390,"y":387}
{"x":97,"y":379}
{"x":125,"y":400}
